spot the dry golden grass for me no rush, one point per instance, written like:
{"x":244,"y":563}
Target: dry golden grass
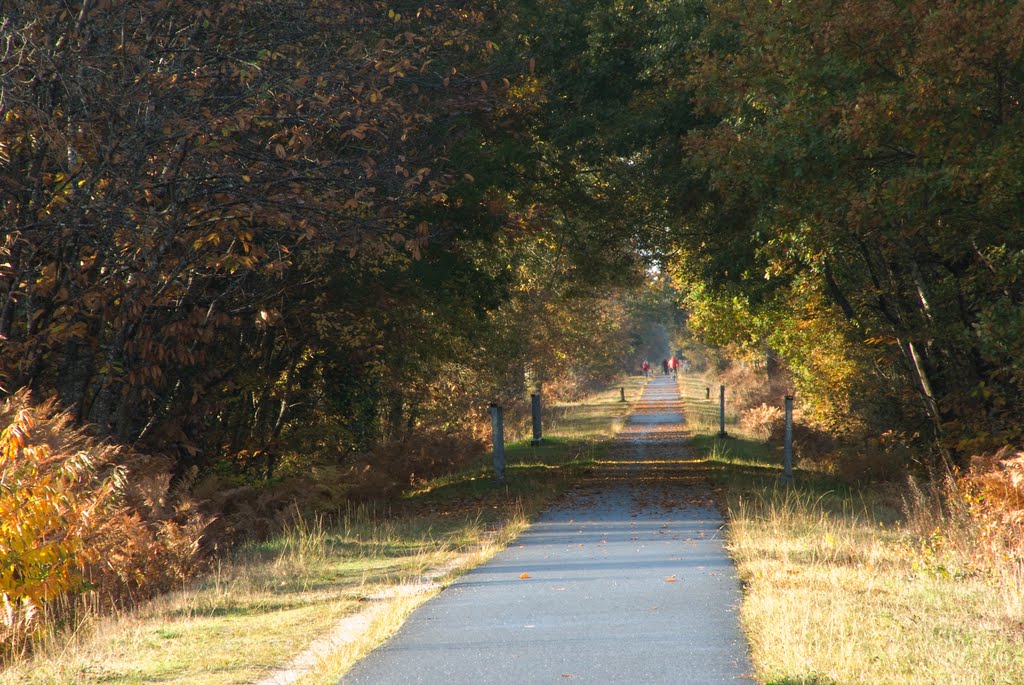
{"x":838,"y":592}
{"x":256,"y":610}
{"x":883,"y":584}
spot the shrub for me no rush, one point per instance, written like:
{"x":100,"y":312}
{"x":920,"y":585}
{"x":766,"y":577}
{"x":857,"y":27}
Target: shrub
{"x":994,"y":489}
{"x":761,"y":421}
{"x":50,"y":501}
{"x":74,"y":522}
{"x":751,"y":387}
{"x":420,"y":457}
{"x":971,"y":522}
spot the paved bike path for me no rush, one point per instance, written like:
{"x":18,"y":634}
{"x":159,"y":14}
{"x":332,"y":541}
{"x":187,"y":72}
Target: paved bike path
{"x":625,"y":581}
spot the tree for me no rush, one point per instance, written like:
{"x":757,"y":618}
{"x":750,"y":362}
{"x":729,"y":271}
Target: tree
{"x":171,"y":169}
{"x":877,"y":139}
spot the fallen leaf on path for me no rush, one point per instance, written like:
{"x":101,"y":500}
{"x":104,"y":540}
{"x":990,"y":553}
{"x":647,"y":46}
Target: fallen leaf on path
{"x":670,"y":579}
{"x":524,"y":575}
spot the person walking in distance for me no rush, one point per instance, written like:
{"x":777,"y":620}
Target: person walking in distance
{"x":646,"y":368}
{"x":664,"y":366}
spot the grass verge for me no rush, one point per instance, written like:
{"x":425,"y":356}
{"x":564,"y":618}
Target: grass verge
{"x":267,"y":602}
{"x":841,"y":587}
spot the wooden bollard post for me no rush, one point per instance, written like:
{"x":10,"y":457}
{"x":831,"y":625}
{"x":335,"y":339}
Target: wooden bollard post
{"x":535,"y":410}
{"x":721,"y":412}
{"x":498,"y":431}
{"x":787,"y":445}
{"x":622,"y":394}
{"x":707,"y":393}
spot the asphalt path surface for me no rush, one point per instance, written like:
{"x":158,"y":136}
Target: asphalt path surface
{"x":625,"y":581}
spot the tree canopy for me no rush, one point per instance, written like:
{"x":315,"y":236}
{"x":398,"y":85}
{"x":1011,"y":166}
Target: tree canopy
{"x":255,"y":227}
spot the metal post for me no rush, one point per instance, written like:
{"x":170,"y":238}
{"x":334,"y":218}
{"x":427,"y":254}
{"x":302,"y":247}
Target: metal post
{"x":787,"y":446}
{"x":707,"y":393}
{"x":498,"y":430}
{"x":622,"y":394}
{"x":721,"y":412}
{"x":535,"y":407}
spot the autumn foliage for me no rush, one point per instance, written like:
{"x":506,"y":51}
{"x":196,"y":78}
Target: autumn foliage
{"x":174,"y":171}
{"x":870,"y":150}
{"x":75,"y":520}
{"x":262,"y":239}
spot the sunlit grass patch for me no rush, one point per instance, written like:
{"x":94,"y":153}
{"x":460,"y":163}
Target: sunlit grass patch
{"x":735,"y":451}
{"x":835,"y":593}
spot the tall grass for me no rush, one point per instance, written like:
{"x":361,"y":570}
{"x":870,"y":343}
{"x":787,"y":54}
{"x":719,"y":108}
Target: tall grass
{"x":259,"y":607}
{"x":910,"y":582}
{"x":839,"y":590}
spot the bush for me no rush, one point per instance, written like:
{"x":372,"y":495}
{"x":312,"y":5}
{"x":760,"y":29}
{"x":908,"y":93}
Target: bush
{"x":751,"y":387}
{"x":75,"y":521}
{"x":973,"y":522}
{"x":253,"y":511}
{"x":762,"y":421}
{"x":422,"y":456}
{"x":994,"y":489}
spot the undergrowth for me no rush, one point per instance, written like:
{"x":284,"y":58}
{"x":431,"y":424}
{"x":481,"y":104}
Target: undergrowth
{"x":84,"y":526}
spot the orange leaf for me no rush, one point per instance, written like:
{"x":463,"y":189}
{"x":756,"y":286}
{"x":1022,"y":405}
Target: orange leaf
{"x":670,"y":579}
{"x":524,"y":575}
